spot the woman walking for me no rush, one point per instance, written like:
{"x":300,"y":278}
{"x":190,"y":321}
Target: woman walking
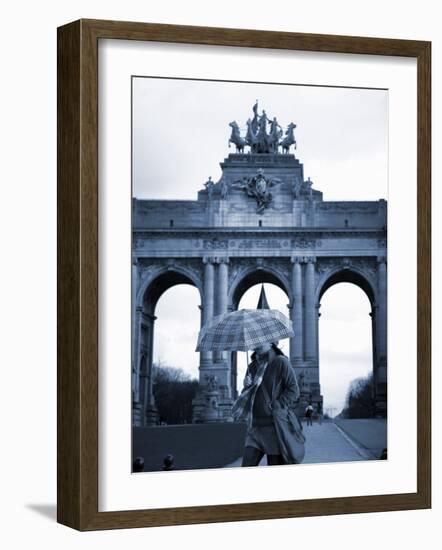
{"x":270,"y":388}
{"x":270,"y":384}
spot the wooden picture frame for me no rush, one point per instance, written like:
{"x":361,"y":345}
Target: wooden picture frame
{"x":77,"y":225}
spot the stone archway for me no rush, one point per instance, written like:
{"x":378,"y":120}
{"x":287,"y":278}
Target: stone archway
{"x":237,"y":233}
{"x":148,"y":295}
{"x":372,"y":281}
{"x":347,"y":274}
{"x":253,"y":276}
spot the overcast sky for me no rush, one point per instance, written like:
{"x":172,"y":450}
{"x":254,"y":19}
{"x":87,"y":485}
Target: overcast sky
{"x":180,"y":135}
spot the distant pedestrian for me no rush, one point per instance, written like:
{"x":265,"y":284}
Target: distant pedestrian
{"x":309,"y":414}
{"x":138,"y":464}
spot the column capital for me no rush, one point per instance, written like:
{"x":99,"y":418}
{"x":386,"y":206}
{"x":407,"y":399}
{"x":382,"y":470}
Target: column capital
{"x":209,"y":260}
{"x":222,"y":260}
{"x":310,"y":259}
{"x":297,"y":259}
{"x":135,"y":261}
{"x":381,"y":259}
{"x":150,"y":316}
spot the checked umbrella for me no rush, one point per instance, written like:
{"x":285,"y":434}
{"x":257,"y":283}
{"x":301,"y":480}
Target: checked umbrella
{"x":244,"y":330}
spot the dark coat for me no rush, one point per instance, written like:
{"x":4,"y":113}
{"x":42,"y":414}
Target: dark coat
{"x":282,"y":388}
{"x":281,"y":385}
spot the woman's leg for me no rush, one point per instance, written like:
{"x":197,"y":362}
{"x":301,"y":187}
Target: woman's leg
{"x":275,"y":460}
{"x":251,"y":457}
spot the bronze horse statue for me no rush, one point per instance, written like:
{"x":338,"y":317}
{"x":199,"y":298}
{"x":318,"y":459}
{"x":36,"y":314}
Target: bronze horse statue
{"x":236,"y":138}
{"x":289,"y":138}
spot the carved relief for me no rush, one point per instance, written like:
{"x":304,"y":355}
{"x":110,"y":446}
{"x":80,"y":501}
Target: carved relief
{"x":215,"y":244}
{"x":365,"y":265}
{"x":305,"y":242}
{"x":259,"y":243}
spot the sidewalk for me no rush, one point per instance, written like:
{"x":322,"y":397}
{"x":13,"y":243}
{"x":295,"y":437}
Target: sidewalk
{"x":325,"y":442}
{"x":370,"y":433}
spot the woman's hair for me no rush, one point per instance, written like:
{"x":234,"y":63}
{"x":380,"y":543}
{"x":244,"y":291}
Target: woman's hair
{"x":274,"y":347}
{"x":277,"y":350}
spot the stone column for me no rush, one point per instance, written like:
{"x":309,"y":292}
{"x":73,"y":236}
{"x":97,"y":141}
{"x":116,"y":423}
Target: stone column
{"x":137,"y":397}
{"x":381,"y":331}
{"x":223,"y":275}
{"x":221,"y":294}
{"x":208,"y":302}
{"x":136,"y":334}
{"x":151,"y":413}
{"x":311,"y":316}
{"x":214,"y":401}
{"x":374,"y":351}
{"x":297,"y":342}
{"x":135,"y":371}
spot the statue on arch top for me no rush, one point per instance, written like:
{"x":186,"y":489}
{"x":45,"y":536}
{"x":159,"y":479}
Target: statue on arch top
{"x":258,"y":138}
{"x":236,"y":138}
{"x":289,"y":138}
{"x":209,"y":185}
{"x":254,"y":122}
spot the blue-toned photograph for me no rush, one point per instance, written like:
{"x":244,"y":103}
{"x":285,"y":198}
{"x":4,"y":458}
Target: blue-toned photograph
{"x":259,"y":274}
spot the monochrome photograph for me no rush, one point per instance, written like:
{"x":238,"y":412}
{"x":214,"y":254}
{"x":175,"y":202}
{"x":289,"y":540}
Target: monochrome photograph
{"x":259,"y":274}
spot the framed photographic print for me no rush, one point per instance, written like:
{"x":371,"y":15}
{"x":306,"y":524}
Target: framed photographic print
{"x":243,"y":275}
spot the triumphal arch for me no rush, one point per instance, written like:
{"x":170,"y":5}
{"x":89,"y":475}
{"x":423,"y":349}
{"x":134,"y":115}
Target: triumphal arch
{"x":262,"y":222}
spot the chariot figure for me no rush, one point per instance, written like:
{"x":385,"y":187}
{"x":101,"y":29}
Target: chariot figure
{"x":254,"y":122}
{"x":276,"y":134}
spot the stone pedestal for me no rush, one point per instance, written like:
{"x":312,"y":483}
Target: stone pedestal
{"x":137,"y":415}
{"x":214,"y":378}
{"x":151,"y":415}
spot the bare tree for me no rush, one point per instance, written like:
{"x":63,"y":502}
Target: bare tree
{"x":174,"y":391}
{"x":359,"y":400}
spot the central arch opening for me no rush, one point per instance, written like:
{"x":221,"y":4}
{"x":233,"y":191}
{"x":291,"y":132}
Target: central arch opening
{"x":277,"y":299}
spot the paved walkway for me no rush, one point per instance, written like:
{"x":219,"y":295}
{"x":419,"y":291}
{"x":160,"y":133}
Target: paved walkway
{"x":370,"y":433}
{"x":325,"y":442}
